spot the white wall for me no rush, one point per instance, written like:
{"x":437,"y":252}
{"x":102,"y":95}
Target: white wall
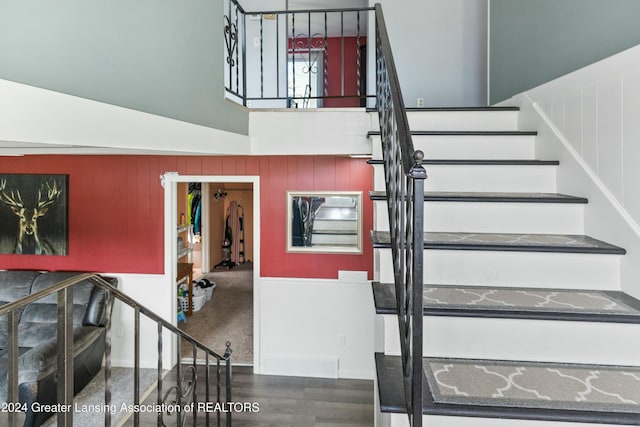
{"x":588,"y":120}
{"x":340,"y":131}
{"x":153,"y":291}
{"x":440,"y":50}
{"x":40,"y":121}
{"x":317,"y":327}
{"x":33,"y":115}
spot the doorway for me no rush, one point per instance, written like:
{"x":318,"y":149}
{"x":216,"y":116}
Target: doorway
{"x":231,"y":313}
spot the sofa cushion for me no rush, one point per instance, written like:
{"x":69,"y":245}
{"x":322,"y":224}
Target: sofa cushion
{"x":13,"y":286}
{"x":45,"y":310}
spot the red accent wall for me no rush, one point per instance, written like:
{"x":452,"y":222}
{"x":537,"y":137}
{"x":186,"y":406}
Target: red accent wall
{"x":116,"y":206}
{"x":336,"y":51}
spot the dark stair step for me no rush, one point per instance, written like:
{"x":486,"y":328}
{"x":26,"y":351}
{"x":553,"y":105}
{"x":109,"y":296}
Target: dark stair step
{"x":517,"y":303}
{"x":514,"y":162}
{"x":463,"y":133}
{"x":371,"y":110}
{"x":476,"y":379}
{"x":447,"y":196}
{"x":565,"y":243}
{"x":466,"y":375}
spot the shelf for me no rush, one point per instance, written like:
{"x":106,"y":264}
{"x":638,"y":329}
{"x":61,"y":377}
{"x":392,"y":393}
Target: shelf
{"x":184,"y":252}
{"x":183,"y":228}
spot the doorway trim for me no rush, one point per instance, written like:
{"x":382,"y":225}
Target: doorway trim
{"x":171,"y":179}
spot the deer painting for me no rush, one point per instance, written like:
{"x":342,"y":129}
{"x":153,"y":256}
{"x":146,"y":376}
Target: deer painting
{"x":29,"y":240}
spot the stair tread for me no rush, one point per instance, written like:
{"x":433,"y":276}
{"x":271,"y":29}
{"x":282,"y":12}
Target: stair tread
{"x":566,"y":243}
{"x":517,"y":303}
{"x":516,"y":390}
{"x":465,"y":133}
{"x":480,"y":162}
{"x":489,"y":108}
{"x":450,"y":196}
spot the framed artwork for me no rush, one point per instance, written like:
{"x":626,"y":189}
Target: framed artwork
{"x":33,"y":214}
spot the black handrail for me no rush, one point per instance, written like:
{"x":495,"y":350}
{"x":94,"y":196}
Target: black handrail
{"x":64,"y":291}
{"x":404,"y":180}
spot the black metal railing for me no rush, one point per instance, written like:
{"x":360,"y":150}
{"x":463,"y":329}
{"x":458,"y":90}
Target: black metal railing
{"x":296,"y":58}
{"x":404,"y":177}
{"x":174,"y":396}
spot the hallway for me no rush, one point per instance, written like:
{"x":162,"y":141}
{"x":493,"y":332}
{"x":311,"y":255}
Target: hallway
{"x":228,"y":316}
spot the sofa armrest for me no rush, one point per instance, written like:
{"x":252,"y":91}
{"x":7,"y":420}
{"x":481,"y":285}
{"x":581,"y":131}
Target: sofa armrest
{"x":42,"y":359}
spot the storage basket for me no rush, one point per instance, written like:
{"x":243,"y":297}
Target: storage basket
{"x":209,"y":292}
{"x":183,"y":304}
{"x":198,"y":301}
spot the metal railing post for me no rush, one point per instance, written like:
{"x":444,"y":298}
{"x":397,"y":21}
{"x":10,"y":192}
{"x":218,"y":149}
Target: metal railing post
{"x":65,"y":357}
{"x":12,"y":374}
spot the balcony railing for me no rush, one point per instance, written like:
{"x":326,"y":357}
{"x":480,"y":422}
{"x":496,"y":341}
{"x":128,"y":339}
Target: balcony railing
{"x":296,"y":58}
{"x":175,"y":394}
{"x":404,"y":178}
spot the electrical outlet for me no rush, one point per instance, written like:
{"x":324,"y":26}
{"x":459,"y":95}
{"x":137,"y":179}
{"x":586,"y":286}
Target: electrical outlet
{"x":119,"y":332}
{"x":420,"y":102}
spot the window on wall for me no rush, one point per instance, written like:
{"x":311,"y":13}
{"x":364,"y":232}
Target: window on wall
{"x":305,"y":78}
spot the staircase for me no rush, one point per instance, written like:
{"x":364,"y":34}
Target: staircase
{"x":524,"y":320}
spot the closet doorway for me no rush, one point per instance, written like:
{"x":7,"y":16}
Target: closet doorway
{"x":223,"y":250}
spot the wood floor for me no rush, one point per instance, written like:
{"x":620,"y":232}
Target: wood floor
{"x":286,"y":402}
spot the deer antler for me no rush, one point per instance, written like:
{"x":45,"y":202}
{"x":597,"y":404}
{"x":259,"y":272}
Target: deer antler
{"x":13,"y":200}
{"x":52,"y":193}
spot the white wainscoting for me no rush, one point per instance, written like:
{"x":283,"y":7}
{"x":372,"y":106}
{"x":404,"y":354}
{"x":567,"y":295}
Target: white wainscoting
{"x":154,"y":292}
{"x":589,"y":120}
{"x":317,"y":327}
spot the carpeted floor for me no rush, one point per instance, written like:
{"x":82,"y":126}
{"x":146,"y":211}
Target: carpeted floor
{"x":92,"y":396}
{"x":228,"y":316}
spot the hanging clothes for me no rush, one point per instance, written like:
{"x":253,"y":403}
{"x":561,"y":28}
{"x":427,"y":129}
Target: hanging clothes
{"x":194,"y":217}
{"x":233,"y":216}
{"x":189,"y":203}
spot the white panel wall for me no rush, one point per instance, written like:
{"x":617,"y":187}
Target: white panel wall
{"x":309,"y":325}
{"x":155,"y":293}
{"x":298,"y":132}
{"x":589,"y":120}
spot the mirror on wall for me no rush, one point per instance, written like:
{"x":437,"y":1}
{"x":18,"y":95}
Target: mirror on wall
{"x":324,"y":221}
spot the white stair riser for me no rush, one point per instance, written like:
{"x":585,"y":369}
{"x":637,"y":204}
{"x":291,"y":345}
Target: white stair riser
{"x":335,"y":239}
{"x":498,"y":178}
{"x":401,"y":420}
{"x":463,"y":120}
{"x":470,"y":147}
{"x":495,"y":217}
{"x":497,"y":268}
{"x":523,"y":339}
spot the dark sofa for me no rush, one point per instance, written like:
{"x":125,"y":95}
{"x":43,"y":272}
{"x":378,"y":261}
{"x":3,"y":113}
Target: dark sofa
{"x":37,"y":337}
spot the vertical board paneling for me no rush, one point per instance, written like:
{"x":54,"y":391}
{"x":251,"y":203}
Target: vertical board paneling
{"x":631,"y":141}
{"x":610,"y":136}
{"x":116,"y":206}
{"x":573,"y":119}
{"x":590,"y":131}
